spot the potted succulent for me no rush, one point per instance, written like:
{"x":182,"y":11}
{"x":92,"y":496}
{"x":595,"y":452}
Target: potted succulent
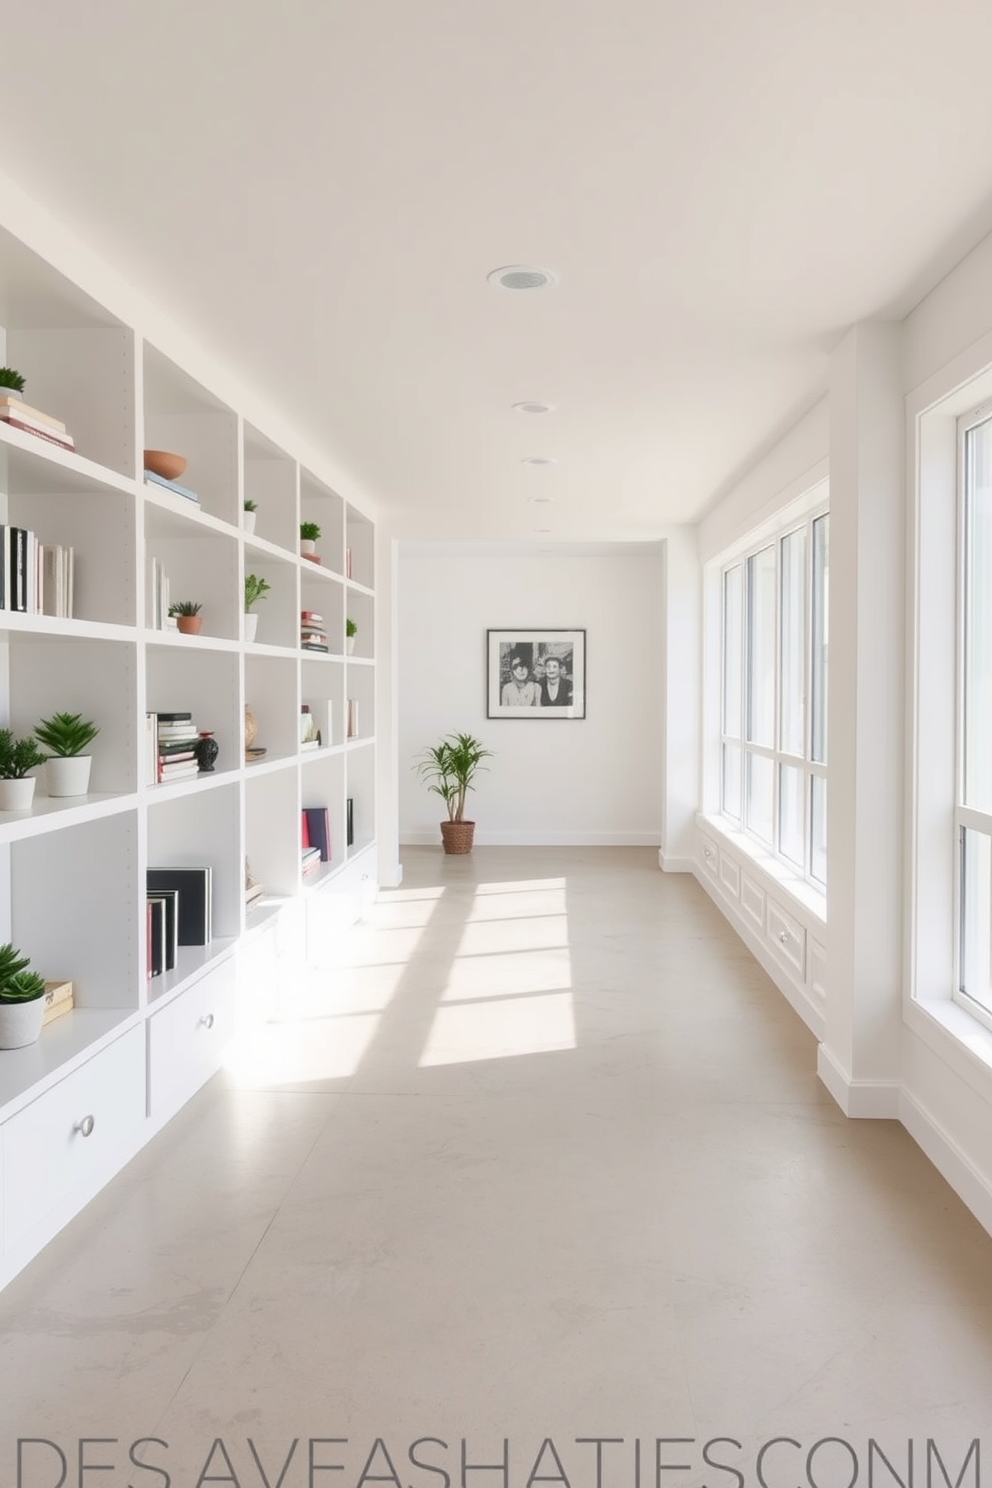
{"x":350,"y":632}
{"x":187,"y":615}
{"x":449,"y":769}
{"x":11,"y":382}
{"x":309,"y":533}
{"x":17,"y":757}
{"x":67,"y":768}
{"x":22,"y":1000}
{"x":256,"y":588}
{"x":248,"y":521}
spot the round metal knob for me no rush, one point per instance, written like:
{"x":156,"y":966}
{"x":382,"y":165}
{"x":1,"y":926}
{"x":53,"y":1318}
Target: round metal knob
{"x":208,"y":1020}
{"x":85,"y":1127}
{"x":783,"y":936}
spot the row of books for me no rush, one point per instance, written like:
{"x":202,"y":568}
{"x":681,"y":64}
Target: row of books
{"x":20,"y":415}
{"x":315,"y":832}
{"x":170,"y":747}
{"x":35,"y":578}
{"x":170,"y":485}
{"x":158,"y":598}
{"x":313,"y":632}
{"x":178,"y":913}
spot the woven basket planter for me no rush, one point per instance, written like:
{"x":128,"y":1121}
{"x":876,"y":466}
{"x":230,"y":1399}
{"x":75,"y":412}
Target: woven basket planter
{"x":457,"y":836}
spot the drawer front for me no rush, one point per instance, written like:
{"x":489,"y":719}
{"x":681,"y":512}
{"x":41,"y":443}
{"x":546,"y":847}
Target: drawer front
{"x":186,"y":1040}
{"x":67,"y":1140}
{"x":710,"y":854}
{"x":817,"y":969}
{"x":787,"y":937}
{"x":753,"y":901}
{"x":730,"y":875}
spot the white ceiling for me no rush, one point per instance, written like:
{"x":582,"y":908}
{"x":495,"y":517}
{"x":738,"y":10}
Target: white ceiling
{"x":318,"y":188}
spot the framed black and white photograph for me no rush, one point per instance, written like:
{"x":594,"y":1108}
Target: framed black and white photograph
{"x":536,"y":673}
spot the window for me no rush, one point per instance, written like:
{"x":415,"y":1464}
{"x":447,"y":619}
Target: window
{"x":773,"y":766}
{"x":973,"y":813}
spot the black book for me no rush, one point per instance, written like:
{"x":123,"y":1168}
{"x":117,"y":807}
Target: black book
{"x":17,"y":573}
{"x":173,"y":717}
{"x":319,"y":829}
{"x":158,"y":934}
{"x":170,"y":898}
{"x":194,"y":900}
{"x":350,"y":834}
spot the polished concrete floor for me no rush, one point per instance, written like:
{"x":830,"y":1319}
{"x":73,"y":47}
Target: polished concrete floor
{"x":545,"y":1157}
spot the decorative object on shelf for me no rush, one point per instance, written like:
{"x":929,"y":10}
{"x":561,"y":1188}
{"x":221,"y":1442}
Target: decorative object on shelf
{"x":22,"y":1000}
{"x":253,"y":889}
{"x":536,"y":674}
{"x":350,"y":632}
{"x":11,"y":381}
{"x":449,"y":768}
{"x":59,"y":1000}
{"x":186,"y":613}
{"x":347,"y":563}
{"x":256,"y":588}
{"x":309,"y":533}
{"x":165,"y":464}
{"x":67,"y":769}
{"x":251,"y":728}
{"x":313,"y":632}
{"x":248,"y":519}
{"x":206,"y":750}
{"x":17,"y":757}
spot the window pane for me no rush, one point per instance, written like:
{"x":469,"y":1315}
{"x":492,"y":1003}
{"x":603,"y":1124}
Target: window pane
{"x":818,"y":680}
{"x":976,"y":899}
{"x":818,"y":830}
{"x":978,"y":619}
{"x":761,"y":647}
{"x":760,"y":796}
{"x":792,"y":643}
{"x":733,"y":652}
{"x":791,"y":815}
{"x":732,"y":780}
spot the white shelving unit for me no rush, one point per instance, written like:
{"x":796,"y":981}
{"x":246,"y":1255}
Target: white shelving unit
{"x":72,"y":870}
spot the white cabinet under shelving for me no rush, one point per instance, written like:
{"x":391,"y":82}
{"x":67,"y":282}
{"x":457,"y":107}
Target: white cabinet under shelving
{"x":103,"y":1078}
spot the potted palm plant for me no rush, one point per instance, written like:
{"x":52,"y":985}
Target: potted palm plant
{"x":449,"y":768}
{"x":187,"y":615}
{"x":248,"y":519}
{"x":17,"y":757}
{"x":67,"y":769}
{"x":309,"y":533}
{"x":22,"y":1000}
{"x":256,"y":588}
{"x":350,"y":632}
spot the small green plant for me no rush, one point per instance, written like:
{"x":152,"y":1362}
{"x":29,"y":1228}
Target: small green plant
{"x":17,"y":984}
{"x":449,"y":768}
{"x":185,"y":607}
{"x":11,"y":378}
{"x":309,"y":531}
{"x":350,"y":628}
{"x":66,"y":733}
{"x":255,"y":588}
{"x":251,"y":505}
{"x":18,"y":756}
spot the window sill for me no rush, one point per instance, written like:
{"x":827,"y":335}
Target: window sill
{"x":778,"y":877}
{"x":955,"y":1037}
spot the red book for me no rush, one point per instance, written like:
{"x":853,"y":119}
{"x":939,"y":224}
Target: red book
{"x":38,"y":433}
{"x":304,"y":830}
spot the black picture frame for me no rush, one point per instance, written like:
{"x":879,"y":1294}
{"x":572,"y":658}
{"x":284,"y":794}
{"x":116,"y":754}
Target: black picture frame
{"x":531,"y":690}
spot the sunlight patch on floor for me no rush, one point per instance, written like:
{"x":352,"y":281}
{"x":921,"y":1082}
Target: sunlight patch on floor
{"x":301,"y":1051}
{"x":501,"y":1029}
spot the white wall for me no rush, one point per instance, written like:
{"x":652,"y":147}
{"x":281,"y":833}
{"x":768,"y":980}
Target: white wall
{"x":591,"y":781}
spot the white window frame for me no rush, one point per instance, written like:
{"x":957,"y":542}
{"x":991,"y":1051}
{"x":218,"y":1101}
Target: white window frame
{"x":779,"y":757}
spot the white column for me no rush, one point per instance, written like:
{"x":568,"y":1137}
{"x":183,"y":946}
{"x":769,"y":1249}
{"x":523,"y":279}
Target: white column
{"x":682,"y":670}
{"x":858,"y":1059}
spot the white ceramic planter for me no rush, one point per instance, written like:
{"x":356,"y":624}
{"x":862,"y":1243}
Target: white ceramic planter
{"x":68,"y":775}
{"x":248,"y":521}
{"x":307,"y":545}
{"x":20,"y":1022}
{"x":17,"y":795}
{"x":251,"y":625}
{"x":349,"y":645}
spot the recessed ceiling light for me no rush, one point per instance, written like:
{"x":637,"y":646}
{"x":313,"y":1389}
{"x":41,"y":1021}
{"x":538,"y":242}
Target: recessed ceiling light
{"x":532,"y":407}
{"x":538,"y":460}
{"x":521,"y":276}
{"x":542,"y":531}
{"x":537,"y":500}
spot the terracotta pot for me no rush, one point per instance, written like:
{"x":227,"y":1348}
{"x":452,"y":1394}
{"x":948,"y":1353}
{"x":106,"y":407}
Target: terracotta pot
{"x":166,"y":464}
{"x":189,"y":624}
{"x":457,"y":836}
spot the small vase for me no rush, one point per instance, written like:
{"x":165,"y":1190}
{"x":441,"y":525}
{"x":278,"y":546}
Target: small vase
{"x":206,"y":750}
{"x":251,"y":626}
{"x":349,"y":645}
{"x":20,"y":1022}
{"x":308,"y":545}
{"x":251,"y":727}
{"x":68,"y":775}
{"x":248,"y":522}
{"x":189,"y":624}
{"x":17,"y":795}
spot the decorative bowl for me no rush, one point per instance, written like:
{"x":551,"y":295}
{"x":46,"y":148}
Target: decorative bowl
{"x":165,"y":464}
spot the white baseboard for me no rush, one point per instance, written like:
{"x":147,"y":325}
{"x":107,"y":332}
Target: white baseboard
{"x":973,"y":1187}
{"x":869,"y":1100}
{"x":484,"y":838}
{"x":672,"y":864}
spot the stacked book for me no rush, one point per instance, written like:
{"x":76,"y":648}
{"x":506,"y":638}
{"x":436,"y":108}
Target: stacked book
{"x":313,"y":634}
{"x":171,"y":751}
{"x":20,"y":415}
{"x":170,"y":485}
{"x":35,"y":578}
{"x":315,"y":839}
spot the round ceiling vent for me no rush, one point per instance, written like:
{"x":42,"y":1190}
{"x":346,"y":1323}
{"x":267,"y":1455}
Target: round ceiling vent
{"x":538,"y":460}
{"x":520,"y":276}
{"x":532,"y":407}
